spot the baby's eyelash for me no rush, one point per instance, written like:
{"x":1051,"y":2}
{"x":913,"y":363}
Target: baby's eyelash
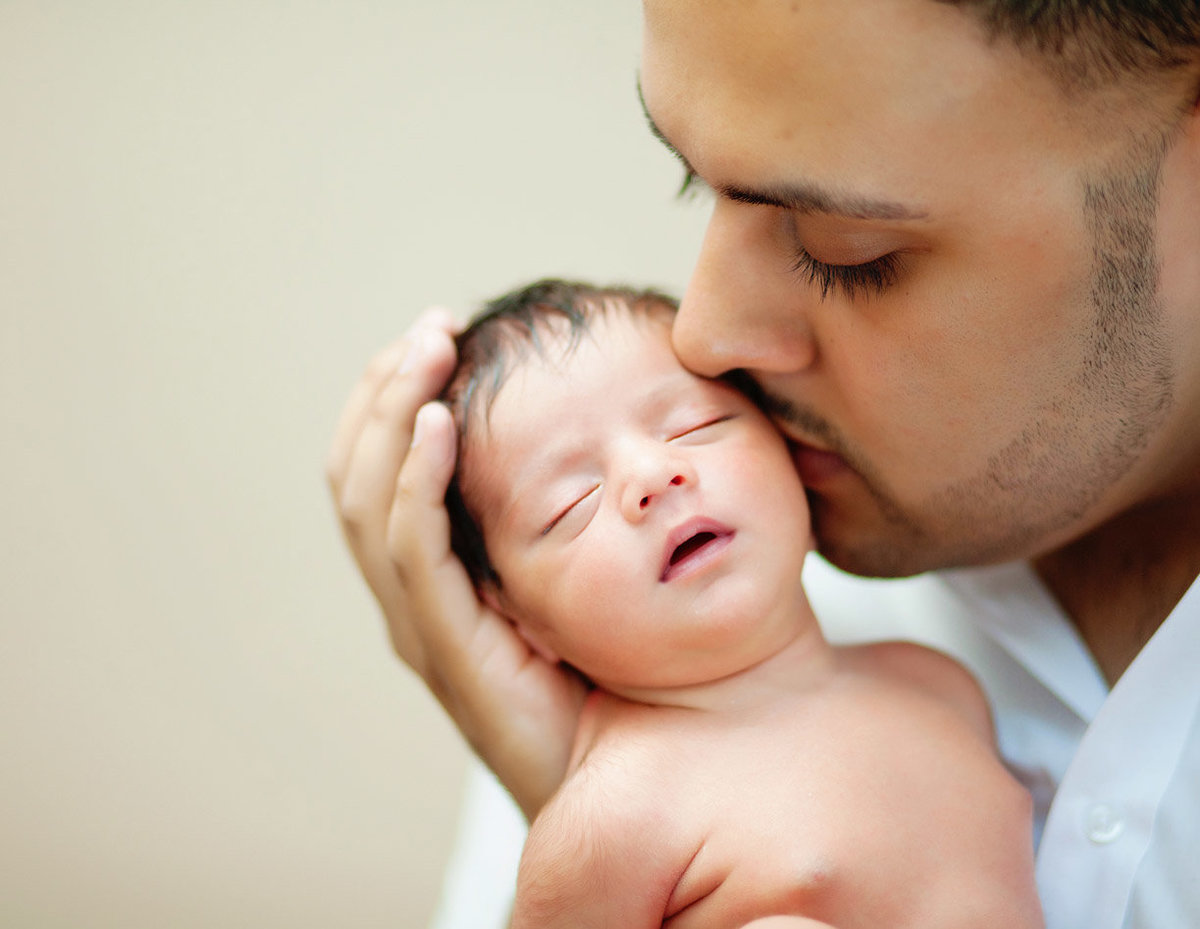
{"x":873,"y":276}
{"x":557,"y":519}
{"x":716,"y":420}
{"x":561,"y":516}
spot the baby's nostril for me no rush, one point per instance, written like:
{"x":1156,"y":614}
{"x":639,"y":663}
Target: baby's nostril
{"x":677,"y":480}
{"x":644,"y":502}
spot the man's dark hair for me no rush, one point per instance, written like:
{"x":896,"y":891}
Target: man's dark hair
{"x":1090,"y":43}
{"x":503,"y":333}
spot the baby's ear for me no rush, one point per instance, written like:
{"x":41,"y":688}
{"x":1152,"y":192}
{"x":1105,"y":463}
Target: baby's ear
{"x":535,"y":642}
{"x":491,"y":598}
{"x":490,"y":595}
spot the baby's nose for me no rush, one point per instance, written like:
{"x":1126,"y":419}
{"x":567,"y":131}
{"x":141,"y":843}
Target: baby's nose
{"x":673,"y":482}
{"x":645,"y":490}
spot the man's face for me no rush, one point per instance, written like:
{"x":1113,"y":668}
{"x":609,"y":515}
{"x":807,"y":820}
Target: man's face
{"x":646,"y":524}
{"x":942,"y":274}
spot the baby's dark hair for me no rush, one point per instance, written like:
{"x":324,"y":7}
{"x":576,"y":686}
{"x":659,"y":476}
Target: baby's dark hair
{"x":497,"y":339}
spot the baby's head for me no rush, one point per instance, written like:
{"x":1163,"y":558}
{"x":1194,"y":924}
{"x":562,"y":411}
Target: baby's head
{"x":642,"y":523}
{"x":546,"y":318}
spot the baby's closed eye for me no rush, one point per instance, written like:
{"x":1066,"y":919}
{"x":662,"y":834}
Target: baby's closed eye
{"x":575,"y":514}
{"x":704,"y":430}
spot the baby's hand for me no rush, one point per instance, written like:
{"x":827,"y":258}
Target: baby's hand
{"x":389,"y":464}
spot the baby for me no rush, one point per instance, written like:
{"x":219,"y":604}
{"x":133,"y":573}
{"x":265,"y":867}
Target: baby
{"x":646,"y":526}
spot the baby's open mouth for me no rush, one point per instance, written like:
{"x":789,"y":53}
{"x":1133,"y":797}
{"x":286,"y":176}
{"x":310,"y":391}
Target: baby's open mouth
{"x":686,"y":548}
{"x":691,"y":545}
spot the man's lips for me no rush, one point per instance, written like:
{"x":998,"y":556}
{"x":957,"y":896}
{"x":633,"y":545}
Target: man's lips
{"x":692,"y":545}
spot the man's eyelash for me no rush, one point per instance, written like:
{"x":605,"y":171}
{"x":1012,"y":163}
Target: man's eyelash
{"x":871,"y":277}
{"x":691,"y":185}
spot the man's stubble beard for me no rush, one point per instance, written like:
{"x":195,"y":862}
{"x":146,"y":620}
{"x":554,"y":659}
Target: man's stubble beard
{"x":1045,"y":481}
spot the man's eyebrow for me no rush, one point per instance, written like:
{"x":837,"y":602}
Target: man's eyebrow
{"x":803,"y":197}
{"x":658,"y":133}
{"x":813,"y":198}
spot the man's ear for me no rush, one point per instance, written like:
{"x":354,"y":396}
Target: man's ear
{"x":492,"y":597}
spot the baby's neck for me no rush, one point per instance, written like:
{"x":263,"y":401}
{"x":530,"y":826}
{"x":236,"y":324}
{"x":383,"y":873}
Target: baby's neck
{"x":806,"y":661}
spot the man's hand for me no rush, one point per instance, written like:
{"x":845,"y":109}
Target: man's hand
{"x":390,"y":462}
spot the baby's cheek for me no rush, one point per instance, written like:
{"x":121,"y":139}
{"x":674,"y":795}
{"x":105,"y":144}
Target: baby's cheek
{"x":601,"y":584}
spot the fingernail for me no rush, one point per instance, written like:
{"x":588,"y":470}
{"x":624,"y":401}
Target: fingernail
{"x":420,"y":347}
{"x":408,"y":360}
{"x":418,"y":429}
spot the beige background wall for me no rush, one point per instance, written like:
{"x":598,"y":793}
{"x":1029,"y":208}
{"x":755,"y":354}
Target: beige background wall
{"x":211,"y":213}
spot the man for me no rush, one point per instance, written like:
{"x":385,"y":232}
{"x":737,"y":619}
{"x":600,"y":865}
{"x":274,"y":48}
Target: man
{"x":958,"y":245}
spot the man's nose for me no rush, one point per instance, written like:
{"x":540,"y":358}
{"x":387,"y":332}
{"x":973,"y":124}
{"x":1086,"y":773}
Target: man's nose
{"x":651,"y":475}
{"x":744,"y":307}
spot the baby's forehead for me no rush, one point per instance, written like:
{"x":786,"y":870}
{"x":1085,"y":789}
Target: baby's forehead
{"x":546,"y":384}
{"x":550,"y":344}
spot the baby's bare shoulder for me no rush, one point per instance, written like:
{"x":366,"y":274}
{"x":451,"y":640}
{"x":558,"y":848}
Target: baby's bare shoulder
{"x":613,"y":823}
{"x":624,"y":781}
{"x":925,"y":671}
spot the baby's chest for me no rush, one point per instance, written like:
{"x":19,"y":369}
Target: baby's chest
{"x":777,"y":825}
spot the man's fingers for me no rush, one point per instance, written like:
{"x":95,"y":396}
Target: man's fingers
{"x":369,"y":445}
{"x":432,"y":585}
{"x":354,"y":413}
{"x":418,"y":531}
{"x":397,"y":359}
{"x":444,"y":609}
{"x":438,"y":317}
{"x":383,"y":436}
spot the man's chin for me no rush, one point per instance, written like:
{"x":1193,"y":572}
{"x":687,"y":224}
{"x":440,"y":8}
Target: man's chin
{"x":868,"y":561}
{"x":892,"y":551}
{"x":886,"y":551}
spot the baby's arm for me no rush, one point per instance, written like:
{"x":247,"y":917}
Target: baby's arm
{"x":592,"y":860}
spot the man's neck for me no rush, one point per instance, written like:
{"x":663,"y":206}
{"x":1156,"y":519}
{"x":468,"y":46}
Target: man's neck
{"x":1119,"y":582}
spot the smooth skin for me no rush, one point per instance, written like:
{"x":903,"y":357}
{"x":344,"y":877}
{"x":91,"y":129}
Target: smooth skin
{"x":388,"y":468}
{"x":587,"y":466}
{"x":716,"y":692}
{"x":973,"y":297}
{"x":999,"y":397}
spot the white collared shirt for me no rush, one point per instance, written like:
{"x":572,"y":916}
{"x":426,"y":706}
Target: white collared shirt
{"x":1115,"y":775}
{"x":1121,"y":847}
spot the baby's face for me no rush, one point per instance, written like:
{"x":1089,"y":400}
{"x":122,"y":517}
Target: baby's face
{"x":648,"y":525}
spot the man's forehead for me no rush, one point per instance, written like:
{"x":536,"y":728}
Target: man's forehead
{"x":723,"y":83}
{"x":850,"y":108}
{"x":800,"y":195}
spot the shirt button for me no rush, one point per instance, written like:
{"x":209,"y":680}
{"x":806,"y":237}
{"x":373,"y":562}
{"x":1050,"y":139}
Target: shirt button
{"x":1104,"y":823}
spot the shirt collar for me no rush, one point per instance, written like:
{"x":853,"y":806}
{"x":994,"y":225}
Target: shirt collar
{"x":1014,"y":608}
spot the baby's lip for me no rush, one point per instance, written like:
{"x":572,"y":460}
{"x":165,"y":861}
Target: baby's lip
{"x":691,"y":544}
